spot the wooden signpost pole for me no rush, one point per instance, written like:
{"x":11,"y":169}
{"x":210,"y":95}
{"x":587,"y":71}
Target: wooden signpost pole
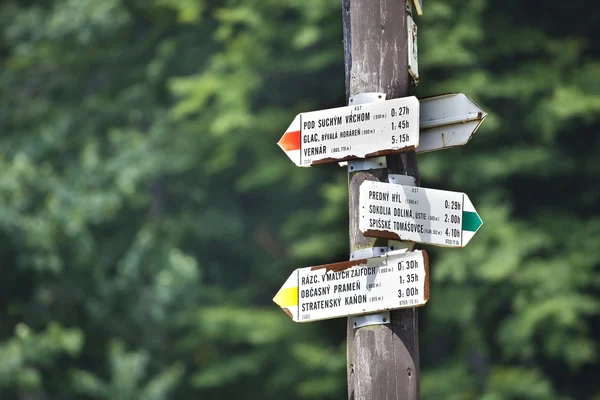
{"x":383,"y":359}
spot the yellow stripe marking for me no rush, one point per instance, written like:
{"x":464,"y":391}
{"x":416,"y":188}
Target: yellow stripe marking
{"x":287,"y":297}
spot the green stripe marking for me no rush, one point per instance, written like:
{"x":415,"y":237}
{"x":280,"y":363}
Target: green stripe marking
{"x":471,"y":221}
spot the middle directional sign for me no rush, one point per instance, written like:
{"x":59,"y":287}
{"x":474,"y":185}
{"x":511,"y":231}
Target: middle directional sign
{"x":351,"y":132}
{"x":416,"y":214}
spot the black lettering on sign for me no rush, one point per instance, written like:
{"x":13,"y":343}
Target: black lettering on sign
{"x":315,"y":292}
{"x":410,"y":264}
{"x":346,"y":287}
{"x":308,"y":124}
{"x":313,"y":137}
{"x":452,"y":205}
{"x":329,"y":136}
{"x":321,"y":304}
{"x":402,"y":138}
{"x":381,"y":210}
{"x":334,"y":276}
{"x":315,"y":151}
{"x":309,"y":280}
{"x":380,"y":223}
{"x":364,"y":271}
{"x":384,"y":196}
{"x":355,"y":299}
{"x":402,"y":110}
{"x":331,"y":121}
{"x":408,"y":227}
{"x":358,"y":117}
{"x":403,"y":212}
{"x":351,"y":132}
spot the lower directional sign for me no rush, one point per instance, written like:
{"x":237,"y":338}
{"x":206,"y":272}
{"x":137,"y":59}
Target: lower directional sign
{"x":398,"y":279}
{"x":417,"y":214}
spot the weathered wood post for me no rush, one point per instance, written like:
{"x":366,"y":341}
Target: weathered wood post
{"x":383,"y":359}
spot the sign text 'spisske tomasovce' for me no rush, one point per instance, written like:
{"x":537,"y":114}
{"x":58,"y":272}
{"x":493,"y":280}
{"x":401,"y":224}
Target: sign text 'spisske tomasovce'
{"x":417,"y":214}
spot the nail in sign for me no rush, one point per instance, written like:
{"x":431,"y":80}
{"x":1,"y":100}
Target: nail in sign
{"x":416,"y":214}
{"x":398,"y":279}
{"x":352,"y":132}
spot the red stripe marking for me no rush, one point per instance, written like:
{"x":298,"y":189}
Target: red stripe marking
{"x":290,"y":141}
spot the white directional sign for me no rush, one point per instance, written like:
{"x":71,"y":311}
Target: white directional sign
{"x":417,"y":214}
{"x":448,"y":120}
{"x":351,"y":132}
{"x":395,"y":280}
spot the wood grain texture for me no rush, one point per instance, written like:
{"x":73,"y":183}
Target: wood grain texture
{"x":382,"y":360}
{"x":375,"y":47}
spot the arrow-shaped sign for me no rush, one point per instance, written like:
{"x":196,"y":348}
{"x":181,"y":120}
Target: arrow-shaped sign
{"x":416,"y":214}
{"x":448,"y":120}
{"x":352,"y":132}
{"x":398,"y":279}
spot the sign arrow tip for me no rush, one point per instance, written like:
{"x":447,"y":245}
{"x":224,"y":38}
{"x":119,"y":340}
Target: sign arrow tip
{"x":286,"y":297}
{"x":291,"y":138}
{"x":290,"y":141}
{"x":471,"y":221}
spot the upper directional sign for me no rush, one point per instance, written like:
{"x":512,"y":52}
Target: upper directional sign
{"x":395,"y":280}
{"x":417,"y":214}
{"x":448,"y":120}
{"x":351,"y":132}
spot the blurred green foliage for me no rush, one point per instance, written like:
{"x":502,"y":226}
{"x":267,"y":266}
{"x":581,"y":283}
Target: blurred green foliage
{"x":147,"y":217}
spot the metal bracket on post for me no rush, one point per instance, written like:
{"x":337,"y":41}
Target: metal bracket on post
{"x":367,"y":163}
{"x":369,"y":97}
{"x":382,"y":318}
{"x":369,"y":252}
{"x":405,"y":180}
{"x":358,"y":321}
